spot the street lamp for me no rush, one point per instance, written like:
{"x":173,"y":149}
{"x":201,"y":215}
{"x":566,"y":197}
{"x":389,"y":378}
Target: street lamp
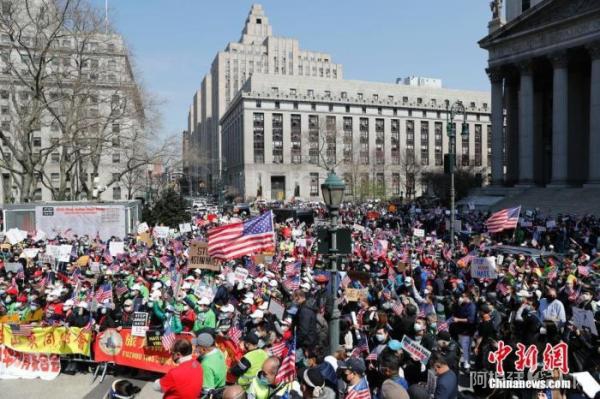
{"x":333,"y":192}
{"x":451,"y":113}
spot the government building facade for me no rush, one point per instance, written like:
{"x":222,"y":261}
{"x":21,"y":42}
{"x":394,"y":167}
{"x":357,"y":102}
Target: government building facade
{"x":544,"y":67}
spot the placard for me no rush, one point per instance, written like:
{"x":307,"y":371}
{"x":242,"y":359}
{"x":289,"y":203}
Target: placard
{"x":146,"y":239}
{"x":95,"y":267}
{"x":185,"y":228}
{"x":301,"y":242}
{"x":116,"y":248}
{"x":354,"y":294}
{"x":14,"y":364}
{"x":199,"y":258}
{"x":419,"y":233}
{"x":139,"y":324}
{"x":13,"y":267}
{"x":484,"y":267}
{"x":15,"y":236}
{"x":550,"y":224}
{"x":153,"y":339}
{"x":584,"y":318}
{"x":161,"y":232}
{"x":541,"y":229}
{"x":142,"y":228}
{"x":526,"y":223}
{"x":415,"y":349}
{"x":240,"y":275}
{"x":30,"y":253}
{"x":276,"y":308}
{"x":65,"y":253}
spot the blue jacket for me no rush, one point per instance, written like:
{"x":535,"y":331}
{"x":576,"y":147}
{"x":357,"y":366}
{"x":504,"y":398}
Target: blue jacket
{"x":446,"y":386}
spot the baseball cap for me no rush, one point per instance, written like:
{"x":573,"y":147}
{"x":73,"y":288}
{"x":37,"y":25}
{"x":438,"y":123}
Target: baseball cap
{"x":353,"y":364}
{"x":205,"y":340}
{"x":257,"y":314}
{"x":204,"y":301}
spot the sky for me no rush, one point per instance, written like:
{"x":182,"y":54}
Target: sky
{"x":175,"y":41}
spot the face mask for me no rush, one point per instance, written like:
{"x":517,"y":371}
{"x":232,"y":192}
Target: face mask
{"x":8,"y":299}
{"x":433,"y":326}
{"x":128,"y":308}
{"x":33,"y":307}
{"x":417,"y":327}
{"x":262,"y":379}
{"x":103,"y":310}
{"x":380,"y":337}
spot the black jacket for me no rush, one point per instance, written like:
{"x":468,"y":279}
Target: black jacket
{"x":306,"y":326}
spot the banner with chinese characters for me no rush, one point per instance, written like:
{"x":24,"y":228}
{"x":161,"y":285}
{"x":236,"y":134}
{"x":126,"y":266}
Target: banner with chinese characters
{"x":56,"y":340}
{"x":120,"y":347}
{"x":14,"y":364}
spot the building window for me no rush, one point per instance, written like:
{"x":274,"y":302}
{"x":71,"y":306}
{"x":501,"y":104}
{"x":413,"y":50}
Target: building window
{"x":348,"y":158}
{"x":364,"y":184}
{"x":116,"y":193}
{"x":330,"y":107}
{"x":489,"y":145}
{"x":478,"y":145}
{"x":465,"y":140}
{"x":347,"y":108}
{"x":295,"y":104}
{"x":331,"y":132}
{"x":424,"y":143}
{"x":313,"y":139}
{"x":258,"y":104}
{"x":395,"y":142}
{"x":410,"y":184}
{"x":37,"y":194}
{"x":379,"y":141}
{"x":116,"y":128}
{"x":395,"y":183}
{"x":349,"y":185}
{"x":375,"y":97}
{"x":380,"y":184}
{"x":364,"y":141}
{"x":344,"y":95}
{"x":54,"y":178}
{"x":364,"y":110}
{"x":525,"y":5}
{"x":277,"y":105}
{"x":277,"y":138}
{"x":438,"y":140}
{"x":37,"y":141}
{"x":116,"y":157}
{"x":404,"y":100}
{"x":310,"y":92}
{"x":259,"y":137}
{"x":419,"y":101}
{"x":313,"y":106}
{"x":116,"y":141}
{"x":314,"y":184}
{"x":410,"y":142}
{"x":296,"y":139}
{"x":55,"y":157}
{"x":360,"y":96}
{"x":115,"y":176}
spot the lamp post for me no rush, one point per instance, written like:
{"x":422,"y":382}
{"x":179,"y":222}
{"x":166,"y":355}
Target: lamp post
{"x":451,"y":113}
{"x":333,"y":192}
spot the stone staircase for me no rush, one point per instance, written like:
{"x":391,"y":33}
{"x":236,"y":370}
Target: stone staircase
{"x":550,"y":200}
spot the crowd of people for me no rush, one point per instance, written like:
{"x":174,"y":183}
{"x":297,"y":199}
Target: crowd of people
{"x":397,"y":286}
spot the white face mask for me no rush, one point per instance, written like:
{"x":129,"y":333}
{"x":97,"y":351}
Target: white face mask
{"x":418,"y":327}
{"x":380,"y":337}
{"x":103,"y":310}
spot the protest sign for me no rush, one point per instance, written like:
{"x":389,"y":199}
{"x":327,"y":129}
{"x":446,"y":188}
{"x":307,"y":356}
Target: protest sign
{"x":419,"y":232}
{"x":39,"y":236}
{"x":199,"y":258}
{"x":30,"y":253}
{"x":276,"y":308}
{"x":415,"y":349}
{"x":57,"y":340}
{"x":142,"y":228}
{"x":185,"y":228}
{"x":203,"y":291}
{"x":584,"y":318}
{"x":354,"y":294}
{"x":301,"y":242}
{"x":541,"y":229}
{"x":499,"y":259}
{"x":484,"y":267}
{"x":161,"y":231}
{"x":64,"y":254}
{"x":240,"y":274}
{"x":15,"y":364}
{"x":125,"y":349}
{"x":153,"y":339}
{"x":95,"y":267}
{"x":46,"y":258}
{"x":15,"y":236}
{"x":145,"y":238}
{"x":139,"y":324}
{"x":587,"y":382}
{"x":526,"y":223}
{"x":551,"y":224}
{"x":13,"y":267}
{"x":116,"y":248}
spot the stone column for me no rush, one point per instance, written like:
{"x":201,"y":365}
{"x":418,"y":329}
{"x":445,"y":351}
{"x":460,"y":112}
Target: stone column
{"x":560,"y":119}
{"x":594,"y":146}
{"x":526,"y":125}
{"x":497,"y":80}
{"x":511,"y":93}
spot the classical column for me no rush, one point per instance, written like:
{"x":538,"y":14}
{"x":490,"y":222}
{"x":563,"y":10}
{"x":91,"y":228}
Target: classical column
{"x":594,"y":146}
{"x":496,"y":80}
{"x":526,"y":125}
{"x":511,"y":95}
{"x":560,"y":119}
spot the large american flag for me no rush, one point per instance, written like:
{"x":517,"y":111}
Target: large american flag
{"x":503,"y":220}
{"x":360,"y":390}
{"x":244,"y":238}
{"x":287,"y":371}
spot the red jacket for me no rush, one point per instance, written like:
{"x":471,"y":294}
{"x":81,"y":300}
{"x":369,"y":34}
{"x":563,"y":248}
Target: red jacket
{"x":183,"y":381}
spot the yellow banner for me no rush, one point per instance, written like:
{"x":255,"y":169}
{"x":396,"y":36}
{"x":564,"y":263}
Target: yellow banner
{"x":16,"y":318}
{"x":58,"y":340}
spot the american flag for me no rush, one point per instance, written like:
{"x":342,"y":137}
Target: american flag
{"x":372,"y":356}
{"x":21,"y":330}
{"x":243,"y":238}
{"x":235,"y":334}
{"x":292,"y":283}
{"x":504,"y":219}
{"x":293,"y":269}
{"x":104,"y":292}
{"x":251,"y":267}
{"x":278,"y":349}
{"x":444,"y":325}
{"x":363,"y":347}
{"x":346,"y":281}
{"x":583,"y":271}
{"x":360,"y":390}
{"x":287,"y":370}
{"x":168,"y":338}
{"x":120,"y":289}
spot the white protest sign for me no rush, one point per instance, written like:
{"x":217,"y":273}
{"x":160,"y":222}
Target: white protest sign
{"x":203,"y":291}
{"x":142,"y":228}
{"x":161,"y":232}
{"x":13,"y":267}
{"x":526,"y":223}
{"x":95,"y":267}
{"x":419,"y":232}
{"x":358,"y":227}
{"x":139,"y":324}
{"x":499,"y":259}
{"x":550,"y":224}
{"x":53,"y":251}
{"x":301,"y":242}
{"x":30,"y":253}
{"x":584,"y":318}
{"x":65,"y":253}
{"x":587,"y":382}
{"x":415,"y":349}
{"x":15,"y":236}
{"x":276,"y":308}
{"x":39,"y":236}
{"x":185,"y":228}
{"x":116,"y":248}
{"x":541,"y":229}
{"x":15,"y":364}
{"x":484,"y":267}
{"x":240,"y":274}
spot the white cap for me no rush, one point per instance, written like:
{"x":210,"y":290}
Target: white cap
{"x":157,"y":285}
{"x":263,"y":306}
{"x":83,"y":304}
{"x":273,"y":283}
{"x":69,"y":302}
{"x":204,"y":301}
{"x":257,"y":314}
{"x":137,"y":287}
{"x":249,"y":301}
{"x":155,"y":295}
{"x":186,"y":286}
{"x":227,"y":308}
{"x":248,"y":281}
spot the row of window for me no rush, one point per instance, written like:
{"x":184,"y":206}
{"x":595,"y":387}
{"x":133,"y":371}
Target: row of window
{"x":363,"y":184}
{"x":319,"y":140}
{"x":37,"y":194}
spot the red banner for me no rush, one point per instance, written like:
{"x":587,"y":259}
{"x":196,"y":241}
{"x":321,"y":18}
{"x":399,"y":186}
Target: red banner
{"x":120,"y":347}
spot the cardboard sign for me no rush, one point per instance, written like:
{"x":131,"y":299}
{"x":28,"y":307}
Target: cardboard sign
{"x":419,"y":233}
{"x":415,"y":349}
{"x":185,"y":228}
{"x":146,"y":239}
{"x":116,"y":248}
{"x":13,"y":267}
{"x":153,"y":339}
{"x":142,"y":228}
{"x":484,"y":267}
{"x":276,"y":308}
{"x":240,"y":274}
{"x":199,"y":258}
{"x":354,"y":294}
{"x":161,"y":232}
{"x":584,"y":318}
{"x":139,"y":324}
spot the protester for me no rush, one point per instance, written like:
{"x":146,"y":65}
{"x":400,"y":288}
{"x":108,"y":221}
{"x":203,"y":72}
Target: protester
{"x":185,"y":381}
